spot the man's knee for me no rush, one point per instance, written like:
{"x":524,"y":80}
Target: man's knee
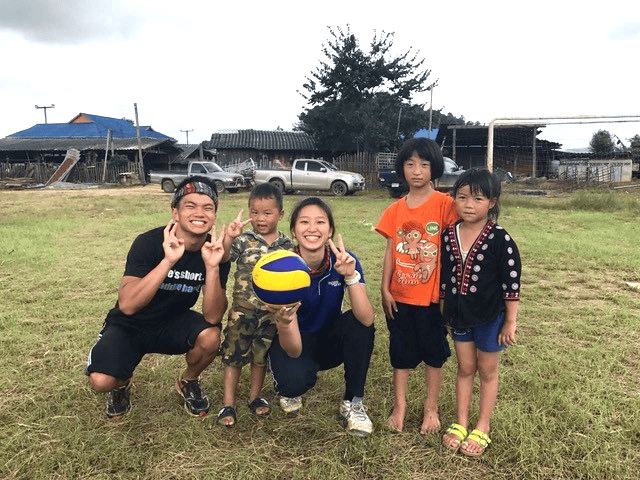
{"x":209,"y":339}
{"x":102,"y":382}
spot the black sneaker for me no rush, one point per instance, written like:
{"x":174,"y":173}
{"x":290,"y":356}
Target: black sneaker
{"x":195,"y":400}
{"x":119,"y":401}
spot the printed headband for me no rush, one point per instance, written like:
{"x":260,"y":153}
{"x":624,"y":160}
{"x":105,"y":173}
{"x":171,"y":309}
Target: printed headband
{"x":195,"y":187}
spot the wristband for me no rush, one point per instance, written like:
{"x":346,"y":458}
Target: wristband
{"x":354,"y":280}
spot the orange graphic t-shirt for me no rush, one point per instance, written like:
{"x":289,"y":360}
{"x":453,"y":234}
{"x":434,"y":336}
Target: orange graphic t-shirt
{"x":415,"y":233}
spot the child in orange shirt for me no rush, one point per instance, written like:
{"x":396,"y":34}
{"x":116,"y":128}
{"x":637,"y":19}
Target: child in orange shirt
{"x":411,"y":278}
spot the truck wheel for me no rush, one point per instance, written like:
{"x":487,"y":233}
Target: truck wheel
{"x":219,"y":186}
{"x":339,"y":188}
{"x":396,"y":192}
{"x":279,"y":184}
{"x":168,"y":186}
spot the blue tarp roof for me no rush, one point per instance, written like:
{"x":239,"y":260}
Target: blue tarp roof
{"x":97,"y":127}
{"x":424,"y":133}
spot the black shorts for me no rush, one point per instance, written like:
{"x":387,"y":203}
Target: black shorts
{"x":417,"y":334}
{"x":123,"y":342}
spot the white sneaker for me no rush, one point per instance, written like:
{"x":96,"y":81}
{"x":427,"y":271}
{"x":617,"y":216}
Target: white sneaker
{"x":291,"y":406}
{"x":355,"y":419}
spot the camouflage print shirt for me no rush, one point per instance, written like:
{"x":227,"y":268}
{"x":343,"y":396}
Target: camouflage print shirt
{"x":246,"y":250}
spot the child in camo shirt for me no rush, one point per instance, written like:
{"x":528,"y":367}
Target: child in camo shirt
{"x":251,"y":327}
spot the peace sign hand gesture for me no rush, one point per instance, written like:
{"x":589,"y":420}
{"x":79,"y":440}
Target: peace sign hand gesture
{"x":345,"y":264}
{"x":213,"y":251}
{"x":173,"y":246}
{"x":236,"y":226}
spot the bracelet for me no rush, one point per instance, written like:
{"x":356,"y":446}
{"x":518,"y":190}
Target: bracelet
{"x":354,"y":280}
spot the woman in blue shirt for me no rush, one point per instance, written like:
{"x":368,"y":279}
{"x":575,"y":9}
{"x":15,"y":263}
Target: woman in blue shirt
{"x":329,"y":336}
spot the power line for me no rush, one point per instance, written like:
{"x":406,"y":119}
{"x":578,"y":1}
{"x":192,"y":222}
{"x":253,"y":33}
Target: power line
{"x":45,"y":111}
{"x":187,"y":132}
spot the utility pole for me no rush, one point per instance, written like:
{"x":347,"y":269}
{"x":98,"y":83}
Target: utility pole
{"x":106,"y":154}
{"x":430,"y":88}
{"x":187,"y":132}
{"x":140,"y":162}
{"x":45,"y":111}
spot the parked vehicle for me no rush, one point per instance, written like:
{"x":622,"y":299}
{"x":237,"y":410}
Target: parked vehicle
{"x":311,"y":174}
{"x":245,"y":168}
{"x":231,"y":182}
{"x":388,"y":177}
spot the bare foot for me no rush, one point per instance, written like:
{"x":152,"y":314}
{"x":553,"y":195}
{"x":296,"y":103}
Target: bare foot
{"x":430,"y":423}
{"x":396,"y":419}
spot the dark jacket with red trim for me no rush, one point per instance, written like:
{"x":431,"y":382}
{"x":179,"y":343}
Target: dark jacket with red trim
{"x":474,"y":292}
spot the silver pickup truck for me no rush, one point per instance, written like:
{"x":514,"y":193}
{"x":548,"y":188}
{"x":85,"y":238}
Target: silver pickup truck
{"x":311,"y":174}
{"x":231,"y":182}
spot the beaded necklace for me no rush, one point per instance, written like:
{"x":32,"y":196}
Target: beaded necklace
{"x":325,"y":261}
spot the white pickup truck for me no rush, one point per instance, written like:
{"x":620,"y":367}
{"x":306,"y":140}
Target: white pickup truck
{"x":311,"y":174}
{"x":229,"y":181}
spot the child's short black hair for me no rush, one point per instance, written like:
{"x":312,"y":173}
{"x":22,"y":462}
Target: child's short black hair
{"x":481,"y":180}
{"x":266,"y":190}
{"x":426,"y":149}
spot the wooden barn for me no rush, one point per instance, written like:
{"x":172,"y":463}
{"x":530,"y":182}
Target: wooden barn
{"x":264,"y":147}
{"x":516,"y":148}
{"x":94,"y":136}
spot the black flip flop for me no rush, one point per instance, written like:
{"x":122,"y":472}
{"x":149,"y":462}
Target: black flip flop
{"x":257,"y":403}
{"x":227,"y":412}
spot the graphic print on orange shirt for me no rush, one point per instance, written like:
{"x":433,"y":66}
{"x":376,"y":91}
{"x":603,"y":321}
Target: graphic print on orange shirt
{"x":422,"y":253}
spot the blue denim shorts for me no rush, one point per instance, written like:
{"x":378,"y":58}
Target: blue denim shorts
{"x":485,"y":336}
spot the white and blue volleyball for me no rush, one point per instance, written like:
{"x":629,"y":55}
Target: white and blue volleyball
{"x":280,"y":278}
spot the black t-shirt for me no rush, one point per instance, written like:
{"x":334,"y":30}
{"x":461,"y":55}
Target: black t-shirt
{"x":179,"y":291}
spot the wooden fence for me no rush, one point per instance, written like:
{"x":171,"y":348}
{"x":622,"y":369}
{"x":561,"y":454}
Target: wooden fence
{"x":363,"y":163}
{"x":39,"y":173}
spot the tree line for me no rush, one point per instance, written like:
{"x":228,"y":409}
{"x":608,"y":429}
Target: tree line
{"x":362,"y":100}
{"x":604,"y":143}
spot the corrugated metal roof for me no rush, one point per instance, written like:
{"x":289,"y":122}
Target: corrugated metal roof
{"x":96,"y":127}
{"x":262,"y":140}
{"x":187,"y":149}
{"x":10,"y":144}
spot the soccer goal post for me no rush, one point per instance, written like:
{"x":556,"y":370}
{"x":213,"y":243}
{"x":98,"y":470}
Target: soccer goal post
{"x":541,"y":122}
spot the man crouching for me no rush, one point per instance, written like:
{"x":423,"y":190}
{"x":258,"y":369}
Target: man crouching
{"x":166,"y":269}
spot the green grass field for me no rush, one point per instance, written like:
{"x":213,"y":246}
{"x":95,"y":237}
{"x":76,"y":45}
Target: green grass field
{"x":569,"y":393}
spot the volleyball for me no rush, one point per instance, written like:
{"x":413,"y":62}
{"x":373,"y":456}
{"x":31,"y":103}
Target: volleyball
{"x":280,"y":278}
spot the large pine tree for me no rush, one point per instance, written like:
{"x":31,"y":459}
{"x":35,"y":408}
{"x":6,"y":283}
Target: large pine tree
{"x":362,"y":101}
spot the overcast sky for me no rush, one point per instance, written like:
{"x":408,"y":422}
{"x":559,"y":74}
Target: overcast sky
{"x":208,"y":66}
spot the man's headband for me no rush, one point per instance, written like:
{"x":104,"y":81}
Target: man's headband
{"x":195,"y":187}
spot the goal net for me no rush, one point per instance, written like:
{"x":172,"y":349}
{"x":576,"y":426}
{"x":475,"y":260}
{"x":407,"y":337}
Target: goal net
{"x":586,"y":149}
{"x":551,"y":147}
